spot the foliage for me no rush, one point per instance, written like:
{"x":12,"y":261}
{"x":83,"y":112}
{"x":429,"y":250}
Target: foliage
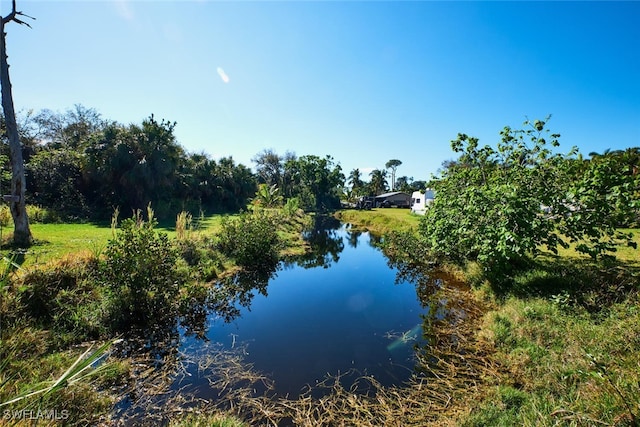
{"x":378,"y":183}
{"x":316,"y":181}
{"x":133,"y":166}
{"x":139,"y":271}
{"x":55,"y":181}
{"x":250,"y":239}
{"x":80,"y":166}
{"x":501,"y":205}
{"x":267,"y":196}
{"x":62,"y":297}
{"x":604,"y":197}
{"x":292,"y":207}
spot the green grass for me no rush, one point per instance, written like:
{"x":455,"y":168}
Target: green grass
{"x":53,"y":241}
{"x":207,"y":420}
{"x":381,"y":221}
{"x":563,"y":365}
{"x":625,"y":254}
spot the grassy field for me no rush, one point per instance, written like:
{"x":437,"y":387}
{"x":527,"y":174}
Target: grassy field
{"x":55,"y":240}
{"x":381,"y":220}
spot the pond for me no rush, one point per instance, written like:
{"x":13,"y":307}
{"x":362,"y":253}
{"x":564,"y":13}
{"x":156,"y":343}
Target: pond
{"x":340,"y":310}
{"x":343,"y":311}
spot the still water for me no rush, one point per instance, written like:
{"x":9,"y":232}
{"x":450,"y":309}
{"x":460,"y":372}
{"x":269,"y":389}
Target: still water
{"x":342,"y":308}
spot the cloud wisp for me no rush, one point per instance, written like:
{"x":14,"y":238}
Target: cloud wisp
{"x":124,"y":9}
{"x":223,"y":75}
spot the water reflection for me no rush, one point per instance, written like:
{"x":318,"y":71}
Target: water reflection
{"x":325,"y":244}
{"x":353,"y":237}
{"x":361,"y":313}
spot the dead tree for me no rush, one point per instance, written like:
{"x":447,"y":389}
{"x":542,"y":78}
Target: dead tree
{"x":21,"y":232}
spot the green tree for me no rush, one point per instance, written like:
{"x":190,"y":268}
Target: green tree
{"x":501,"y":205}
{"x":355,"y":180}
{"x":269,"y":167}
{"x":70,"y":130}
{"x":55,"y":181}
{"x":378,"y":183}
{"x":317,"y":182}
{"x":393,"y":165}
{"x":133,"y":166}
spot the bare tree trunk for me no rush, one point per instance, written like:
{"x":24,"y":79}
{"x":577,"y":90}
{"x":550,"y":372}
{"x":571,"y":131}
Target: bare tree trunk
{"x":22,"y":233}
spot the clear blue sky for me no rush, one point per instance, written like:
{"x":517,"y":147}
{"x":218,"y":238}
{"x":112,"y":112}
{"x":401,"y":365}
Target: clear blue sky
{"x":364,"y":82}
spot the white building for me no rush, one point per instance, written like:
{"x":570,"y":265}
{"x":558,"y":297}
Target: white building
{"x":420,"y":201}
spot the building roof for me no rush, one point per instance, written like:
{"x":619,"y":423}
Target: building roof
{"x":385,"y":195}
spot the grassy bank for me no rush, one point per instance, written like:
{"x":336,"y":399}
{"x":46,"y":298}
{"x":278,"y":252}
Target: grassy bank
{"x":85,"y":283}
{"x":55,"y":240}
{"x":380,"y":220}
{"x":564,"y":339}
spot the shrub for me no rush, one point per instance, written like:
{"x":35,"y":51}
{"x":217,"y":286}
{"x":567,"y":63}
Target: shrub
{"x":140,"y":274}
{"x":251,"y":240}
{"x":292,"y":207}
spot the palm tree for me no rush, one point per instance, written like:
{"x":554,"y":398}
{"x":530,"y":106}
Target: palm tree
{"x":378,"y":181}
{"x":355,"y":179}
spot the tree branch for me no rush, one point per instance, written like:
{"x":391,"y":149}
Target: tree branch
{"x":13,"y":16}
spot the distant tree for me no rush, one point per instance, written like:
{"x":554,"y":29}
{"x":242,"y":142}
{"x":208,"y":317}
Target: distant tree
{"x":355,"y":180}
{"x":69,"y":130}
{"x":236,"y":182}
{"x":22,"y":232}
{"x":403,"y":183}
{"x":317,"y":182}
{"x":393,"y":165}
{"x":55,"y":181}
{"x":378,"y":183}
{"x":133,"y":166}
{"x":418,"y":185}
{"x":269,"y":167}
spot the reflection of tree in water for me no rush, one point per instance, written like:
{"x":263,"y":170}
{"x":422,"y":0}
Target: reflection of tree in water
{"x":447,"y":304}
{"x":157,"y":362}
{"x":325,"y":241}
{"x":232,"y":293}
{"x":352,"y":237}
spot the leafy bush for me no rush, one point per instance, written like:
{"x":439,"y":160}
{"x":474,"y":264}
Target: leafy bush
{"x":291,"y":207}
{"x":499,"y":206}
{"x":139,"y":271}
{"x":250,"y":239}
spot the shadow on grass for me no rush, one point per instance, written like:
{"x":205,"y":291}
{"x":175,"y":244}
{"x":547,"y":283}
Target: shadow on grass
{"x":576,"y":282}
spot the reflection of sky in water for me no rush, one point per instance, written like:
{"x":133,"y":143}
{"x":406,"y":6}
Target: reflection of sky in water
{"x":319,"y":321}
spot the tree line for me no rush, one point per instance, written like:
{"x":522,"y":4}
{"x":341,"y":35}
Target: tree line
{"x":80,"y":165}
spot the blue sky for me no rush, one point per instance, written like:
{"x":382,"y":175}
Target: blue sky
{"x":362,"y":81}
